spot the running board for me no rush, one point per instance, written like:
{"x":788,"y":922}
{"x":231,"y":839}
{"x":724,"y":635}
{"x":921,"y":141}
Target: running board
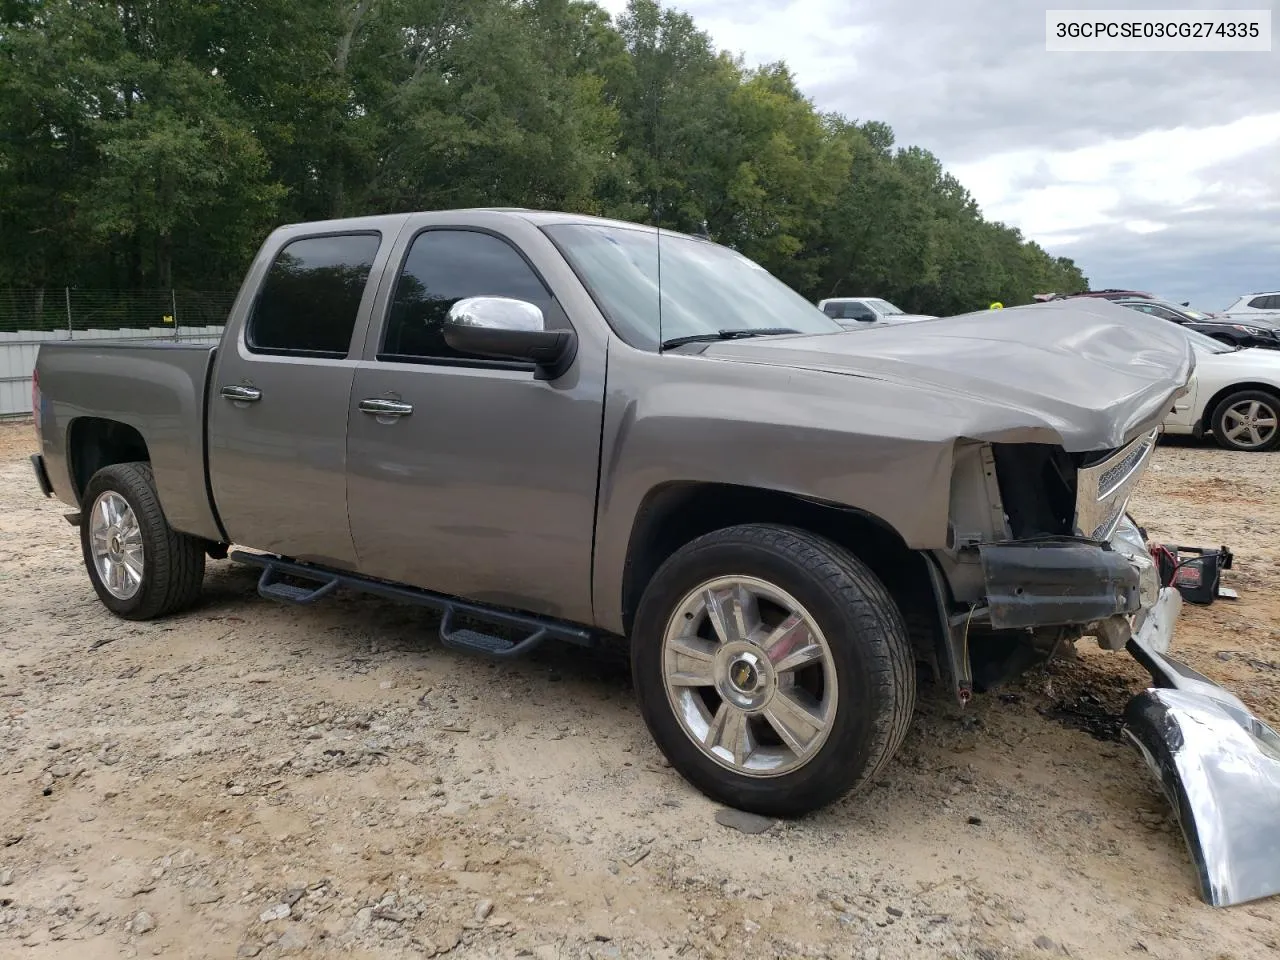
{"x":487,"y":644}
{"x":537,"y":630}
{"x":270,"y":586}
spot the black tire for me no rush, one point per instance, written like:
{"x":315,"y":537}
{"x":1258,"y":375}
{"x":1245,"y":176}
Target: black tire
{"x":1268,"y":402}
{"x":870,"y":649}
{"x":173,"y":562}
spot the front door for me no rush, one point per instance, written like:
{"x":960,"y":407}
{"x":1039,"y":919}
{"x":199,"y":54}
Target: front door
{"x":483,"y":484}
{"x":279,"y":397}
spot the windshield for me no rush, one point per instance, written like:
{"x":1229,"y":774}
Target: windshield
{"x":705,"y":288}
{"x":1208,"y":344}
{"x":1180,"y":309}
{"x":884,"y":307}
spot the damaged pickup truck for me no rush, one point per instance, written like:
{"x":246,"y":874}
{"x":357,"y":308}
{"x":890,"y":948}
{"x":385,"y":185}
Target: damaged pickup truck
{"x":556,"y":427}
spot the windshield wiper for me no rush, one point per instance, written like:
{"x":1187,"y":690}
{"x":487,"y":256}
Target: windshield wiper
{"x":726,"y":335}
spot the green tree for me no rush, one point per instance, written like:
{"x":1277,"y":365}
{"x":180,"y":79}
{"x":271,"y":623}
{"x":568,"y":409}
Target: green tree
{"x":154,"y":142}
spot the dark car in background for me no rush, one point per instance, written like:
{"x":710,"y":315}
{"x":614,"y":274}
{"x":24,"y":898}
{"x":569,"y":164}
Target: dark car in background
{"x":1108,"y":294}
{"x":1237,"y":333}
{"x":1117,"y":294}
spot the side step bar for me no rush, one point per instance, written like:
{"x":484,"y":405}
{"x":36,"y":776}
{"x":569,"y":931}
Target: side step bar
{"x":538,"y":629}
{"x":269,"y":586}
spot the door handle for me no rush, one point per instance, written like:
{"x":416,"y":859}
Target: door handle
{"x":386,"y":408}
{"x":236,"y":391}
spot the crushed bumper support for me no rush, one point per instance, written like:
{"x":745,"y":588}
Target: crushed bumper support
{"x":1218,"y":765}
{"x":1039,"y":584}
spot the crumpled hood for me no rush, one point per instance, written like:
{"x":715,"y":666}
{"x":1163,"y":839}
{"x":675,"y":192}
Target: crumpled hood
{"x":1093,"y":372}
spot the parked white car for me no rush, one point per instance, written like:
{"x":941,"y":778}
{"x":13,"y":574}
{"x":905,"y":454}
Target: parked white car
{"x":1254,"y":306}
{"x":853,"y":312}
{"x":1234,"y":394}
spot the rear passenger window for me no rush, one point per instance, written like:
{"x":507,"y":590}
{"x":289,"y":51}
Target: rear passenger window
{"x":311,"y":295}
{"x":443,"y":267}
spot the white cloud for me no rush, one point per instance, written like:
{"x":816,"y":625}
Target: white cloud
{"x":1089,"y":186}
{"x":1155,"y":171}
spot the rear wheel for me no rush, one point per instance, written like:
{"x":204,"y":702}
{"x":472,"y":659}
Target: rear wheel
{"x":140,"y":567}
{"x":1248,"y":420}
{"x":773,"y":669}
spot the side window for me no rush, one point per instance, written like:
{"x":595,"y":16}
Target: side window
{"x":1265,"y":303}
{"x":443,"y":267}
{"x":832,"y":310}
{"x":311,"y":295}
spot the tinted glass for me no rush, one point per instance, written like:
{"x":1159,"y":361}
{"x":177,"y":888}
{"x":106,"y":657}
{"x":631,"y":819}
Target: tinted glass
{"x":1152,"y":309}
{"x":848,"y":310}
{"x":705,"y":287}
{"x":1265,"y":303}
{"x":309,"y":300}
{"x":443,"y":267}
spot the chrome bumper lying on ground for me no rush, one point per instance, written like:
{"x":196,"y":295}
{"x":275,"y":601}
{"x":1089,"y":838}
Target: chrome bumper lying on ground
{"x":1218,"y":765}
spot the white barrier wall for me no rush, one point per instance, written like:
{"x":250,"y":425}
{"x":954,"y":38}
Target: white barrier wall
{"x":18,"y":355}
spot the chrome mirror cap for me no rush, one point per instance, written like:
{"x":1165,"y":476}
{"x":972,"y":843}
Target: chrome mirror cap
{"x":497,"y":313}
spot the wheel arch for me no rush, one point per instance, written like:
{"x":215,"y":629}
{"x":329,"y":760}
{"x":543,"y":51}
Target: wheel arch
{"x":1210,"y":408}
{"x":673,"y":514}
{"x":97,"y":442}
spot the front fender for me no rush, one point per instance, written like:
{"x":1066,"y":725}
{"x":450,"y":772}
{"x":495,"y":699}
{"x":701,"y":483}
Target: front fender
{"x":881,"y":449}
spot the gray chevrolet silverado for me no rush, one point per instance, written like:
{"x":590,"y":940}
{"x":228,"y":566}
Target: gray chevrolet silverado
{"x":557,"y":427}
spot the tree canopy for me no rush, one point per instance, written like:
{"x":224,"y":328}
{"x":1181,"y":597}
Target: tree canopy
{"x":154,"y":143}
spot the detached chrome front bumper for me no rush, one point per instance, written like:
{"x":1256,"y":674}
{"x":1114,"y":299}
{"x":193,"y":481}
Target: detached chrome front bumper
{"x":1218,"y":765}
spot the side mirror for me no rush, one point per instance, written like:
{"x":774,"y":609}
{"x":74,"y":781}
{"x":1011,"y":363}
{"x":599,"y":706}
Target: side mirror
{"x":509,"y":329}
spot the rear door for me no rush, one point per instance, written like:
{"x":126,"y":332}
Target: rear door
{"x":279,"y":396}
{"x":485,"y":487}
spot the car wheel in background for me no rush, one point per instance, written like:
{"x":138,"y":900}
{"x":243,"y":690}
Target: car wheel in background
{"x":1248,"y":420}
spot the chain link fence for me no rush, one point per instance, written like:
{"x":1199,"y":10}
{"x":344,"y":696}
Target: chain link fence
{"x":31,"y":317}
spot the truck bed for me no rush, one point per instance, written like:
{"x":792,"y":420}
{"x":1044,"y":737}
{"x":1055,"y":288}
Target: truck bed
{"x":159,"y":388}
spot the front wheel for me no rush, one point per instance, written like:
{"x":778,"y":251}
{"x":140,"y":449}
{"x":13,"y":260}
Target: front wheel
{"x":772,"y":668}
{"x":1249,"y":421}
{"x":140,"y":567}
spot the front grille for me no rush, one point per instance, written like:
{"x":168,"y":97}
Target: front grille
{"x":1103,"y":490}
{"x":1116,"y":475}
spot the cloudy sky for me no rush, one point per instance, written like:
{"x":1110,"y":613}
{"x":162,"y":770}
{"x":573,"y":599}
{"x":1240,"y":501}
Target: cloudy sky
{"x":1154,"y":171}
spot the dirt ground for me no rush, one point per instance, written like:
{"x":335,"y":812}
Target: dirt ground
{"x":255,"y":780}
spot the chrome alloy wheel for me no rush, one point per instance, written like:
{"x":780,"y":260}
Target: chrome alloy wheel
{"x":115,"y":540}
{"x":1250,"y":423}
{"x":750,"y":676}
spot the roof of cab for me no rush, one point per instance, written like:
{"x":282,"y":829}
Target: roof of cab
{"x":536,"y":217}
